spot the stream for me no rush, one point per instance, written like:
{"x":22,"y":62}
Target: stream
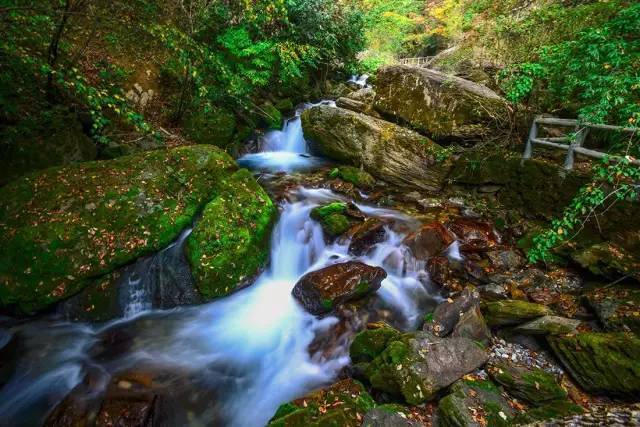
{"x":232,"y":361}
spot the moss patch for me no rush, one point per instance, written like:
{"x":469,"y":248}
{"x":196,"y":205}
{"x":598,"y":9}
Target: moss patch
{"x":512,"y":312}
{"x":353,"y":175}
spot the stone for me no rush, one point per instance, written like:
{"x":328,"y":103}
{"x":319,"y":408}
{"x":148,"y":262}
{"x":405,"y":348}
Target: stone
{"x":601,"y":362}
{"x":470,"y":398}
{"x":383,"y":417}
{"x":357,"y":106}
{"x":216,"y":127}
{"x":53,"y":247}
{"x":512,"y":312}
{"x":333,"y":218}
{"x":554,"y":410}
{"x":344,"y":403}
{"x":473,"y":326}
{"x":608,"y":260}
{"x":447,"y":314}
{"x":418,"y":365}
{"x":474,"y":236}
{"x":365,"y":95}
{"x":365,"y":235}
{"x":532,"y":385}
{"x":429,"y":241}
{"x":368,"y":345}
{"x":322,"y":290}
{"x":356,"y":176}
{"x":506,"y":260}
{"x":385,"y":150}
{"x":617,"y":307}
{"x":548,"y":325}
{"x":443,"y":106}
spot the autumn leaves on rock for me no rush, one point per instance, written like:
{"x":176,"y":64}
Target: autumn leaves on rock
{"x":66,"y":226}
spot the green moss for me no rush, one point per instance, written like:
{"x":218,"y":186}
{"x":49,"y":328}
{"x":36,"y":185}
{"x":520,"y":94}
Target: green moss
{"x":322,"y":212}
{"x":64,"y":226}
{"x":215,"y":127}
{"x":332,"y":218}
{"x":230,"y":243}
{"x":468,"y":399}
{"x":554,"y":410}
{"x":353,"y":175}
{"x":367,"y":345}
{"x":512,"y":312}
{"x":270,"y":116}
{"x":532,"y":385}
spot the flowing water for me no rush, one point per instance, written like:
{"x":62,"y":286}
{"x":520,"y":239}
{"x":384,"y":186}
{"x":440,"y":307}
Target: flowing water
{"x":229,"y":362}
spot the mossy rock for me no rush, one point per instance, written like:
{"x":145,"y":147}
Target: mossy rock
{"x":230,"y":242}
{"x":469,"y":398}
{"x":534,"y":385}
{"x":353,"y":175}
{"x":601,"y":362}
{"x":617,"y":307}
{"x":65,"y":226}
{"x":367,"y":345}
{"x":270,"y":116}
{"x":216,"y":127}
{"x":512,"y":312}
{"x":548,"y":325}
{"x":284,"y":105}
{"x":343,"y":404}
{"x":554,"y":410}
{"x":332,"y":218}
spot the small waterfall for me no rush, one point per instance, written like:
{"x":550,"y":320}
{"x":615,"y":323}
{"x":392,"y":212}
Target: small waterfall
{"x":360,"y":81}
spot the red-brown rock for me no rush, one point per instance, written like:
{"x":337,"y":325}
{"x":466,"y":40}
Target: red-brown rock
{"x":429,"y":241}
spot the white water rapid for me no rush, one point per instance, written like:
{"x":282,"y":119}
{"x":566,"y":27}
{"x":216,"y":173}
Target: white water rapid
{"x":230,"y":362}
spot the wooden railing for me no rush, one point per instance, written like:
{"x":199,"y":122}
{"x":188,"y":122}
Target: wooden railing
{"x":572,"y":145}
{"x":423,"y":61}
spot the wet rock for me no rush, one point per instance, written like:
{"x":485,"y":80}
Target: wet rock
{"x":548,"y":325}
{"x":446,"y":107}
{"x":601,"y":362}
{"x":474,"y":403}
{"x":429,"y":241}
{"x":532,"y":385}
{"x":368,"y":344}
{"x":385,"y":150}
{"x":230,"y":243}
{"x":343,"y":404}
{"x":473,"y":326}
{"x":417,"y":365}
{"x":617,"y":307}
{"x":474,"y":236}
{"x":365,"y":235}
{"x":53,"y":246}
{"x":355,"y":176}
{"x":506,"y":260}
{"x":333,"y":218}
{"x":554,"y":410}
{"x":320,"y":291}
{"x":447,"y":314}
{"x":383,"y":417}
{"x":440,"y":269}
{"x":512,"y":312}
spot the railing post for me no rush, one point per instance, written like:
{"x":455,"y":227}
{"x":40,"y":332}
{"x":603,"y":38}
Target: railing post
{"x":581,"y":135}
{"x":533,"y":134}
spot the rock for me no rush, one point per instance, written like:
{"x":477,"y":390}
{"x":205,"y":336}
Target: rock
{"x":601,"y":362}
{"x":554,"y":410}
{"x":383,"y":417}
{"x":385,"y":150}
{"x":532,"y":385}
{"x":597,"y":415}
{"x":429,"y":241}
{"x":548,"y":325}
{"x":617,"y":307}
{"x":343,"y":404}
{"x":439,"y":268}
{"x":53,"y":247}
{"x":356,"y":176}
{"x":365,"y":95}
{"x":608,"y":260}
{"x":216,"y":127}
{"x":447,"y":314}
{"x":368,"y":345}
{"x":445,"y":107}
{"x":333,"y":218}
{"x":470,"y":398}
{"x":365,"y":235}
{"x":357,"y":106}
{"x":473,"y":326}
{"x":512,"y":312}
{"x":417,"y":365}
{"x":506,"y":260}
{"x":322,"y":290}
{"x":474,"y":236}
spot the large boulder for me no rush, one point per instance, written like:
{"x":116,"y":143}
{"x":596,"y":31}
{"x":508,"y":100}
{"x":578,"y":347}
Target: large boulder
{"x":322,"y":290}
{"x":601,"y":362}
{"x":429,"y":241}
{"x":512,"y":312}
{"x":65,"y":226}
{"x":385,"y":150}
{"x":441,"y":105}
{"x":474,"y":403}
{"x":532,"y":385}
{"x":417,"y":365}
{"x":345,"y":403}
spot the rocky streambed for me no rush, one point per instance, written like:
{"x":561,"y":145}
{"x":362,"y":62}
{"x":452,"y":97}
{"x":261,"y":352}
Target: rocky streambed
{"x":391,"y":289}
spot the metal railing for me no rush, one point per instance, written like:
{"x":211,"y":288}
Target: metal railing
{"x":422,"y":61}
{"x":573,"y":145}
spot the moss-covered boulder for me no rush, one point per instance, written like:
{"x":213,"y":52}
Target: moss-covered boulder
{"x":512,"y":312}
{"x":332,"y":217}
{"x":368,"y":344}
{"x":474,"y":403}
{"x":532,"y":385}
{"x":608,"y":259}
{"x":555,"y":410}
{"x":270,"y":116}
{"x":356,"y":176}
{"x":216,"y":127}
{"x":617,"y":307}
{"x":66,"y":226}
{"x":418,"y":365}
{"x":601,"y":362}
{"x":322,"y":290}
{"x":443,"y":106}
{"x":230,"y":242}
{"x":385,"y":150}
{"x":343,"y":404}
